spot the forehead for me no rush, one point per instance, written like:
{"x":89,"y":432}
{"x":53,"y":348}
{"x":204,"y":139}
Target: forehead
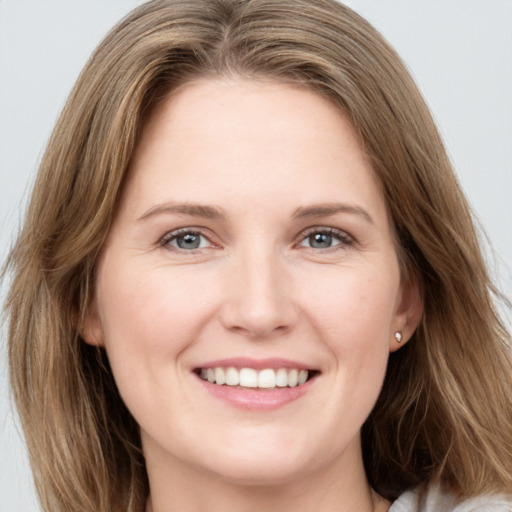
{"x":260,"y":141}
{"x":238,"y":110}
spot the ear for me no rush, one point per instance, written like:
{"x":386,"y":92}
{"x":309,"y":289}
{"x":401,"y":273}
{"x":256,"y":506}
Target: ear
{"x":409,"y":310}
{"x":91,"y":331}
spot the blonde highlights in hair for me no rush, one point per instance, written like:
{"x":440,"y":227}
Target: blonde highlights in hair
{"x":435,"y":420}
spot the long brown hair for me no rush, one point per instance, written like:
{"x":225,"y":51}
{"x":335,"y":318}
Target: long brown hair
{"x":444,"y":413}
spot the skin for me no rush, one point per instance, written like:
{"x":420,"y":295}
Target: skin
{"x":257,"y":286}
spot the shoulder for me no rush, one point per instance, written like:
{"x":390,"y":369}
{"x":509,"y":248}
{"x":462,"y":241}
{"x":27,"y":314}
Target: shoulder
{"x":437,"y":500}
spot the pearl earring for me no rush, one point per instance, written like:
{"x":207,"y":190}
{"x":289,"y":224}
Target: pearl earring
{"x":398,"y":336}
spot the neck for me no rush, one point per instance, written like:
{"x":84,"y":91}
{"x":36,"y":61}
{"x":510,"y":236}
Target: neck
{"x":333,"y":488}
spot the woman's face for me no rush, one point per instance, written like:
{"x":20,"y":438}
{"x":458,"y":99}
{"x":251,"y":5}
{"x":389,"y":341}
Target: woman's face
{"x":251,"y":245}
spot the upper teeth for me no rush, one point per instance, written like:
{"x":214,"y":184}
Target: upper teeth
{"x":251,"y":378}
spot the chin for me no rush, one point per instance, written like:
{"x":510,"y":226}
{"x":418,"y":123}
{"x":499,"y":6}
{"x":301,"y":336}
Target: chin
{"x":261,"y":465}
{"x":260,"y":473}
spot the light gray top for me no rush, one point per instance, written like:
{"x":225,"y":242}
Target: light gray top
{"x":435,"y":500}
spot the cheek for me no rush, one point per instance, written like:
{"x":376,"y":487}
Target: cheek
{"x":354,"y":316}
{"x":357,"y":308}
{"x":148,"y":317}
{"x":149,"y":309}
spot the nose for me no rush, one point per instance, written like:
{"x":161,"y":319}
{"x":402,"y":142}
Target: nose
{"x":260,"y":300}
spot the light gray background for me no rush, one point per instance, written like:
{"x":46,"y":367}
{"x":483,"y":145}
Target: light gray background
{"x":460,"y":52}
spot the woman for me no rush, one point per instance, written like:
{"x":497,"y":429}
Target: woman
{"x":258,"y":285}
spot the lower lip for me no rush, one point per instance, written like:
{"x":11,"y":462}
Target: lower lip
{"x":256,"y":399}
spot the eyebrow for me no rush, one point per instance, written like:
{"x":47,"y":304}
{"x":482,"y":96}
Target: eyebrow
{"x":213,"y":212}
{"x":326,"y":209}
{"x":195,"y":210}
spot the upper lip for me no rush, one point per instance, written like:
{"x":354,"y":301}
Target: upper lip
{"x":257,"y":364}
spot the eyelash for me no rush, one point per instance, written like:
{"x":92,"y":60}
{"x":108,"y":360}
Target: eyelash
{"x":166,"y":240}
{"x":345,"y":239}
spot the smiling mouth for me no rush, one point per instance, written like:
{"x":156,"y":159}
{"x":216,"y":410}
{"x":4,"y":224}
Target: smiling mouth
{"x":268,"y":378}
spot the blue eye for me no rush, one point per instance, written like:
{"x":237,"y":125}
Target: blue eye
{"x":186,"y":240}
{"x":325,"y":239}
{"x":320,"y":240}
